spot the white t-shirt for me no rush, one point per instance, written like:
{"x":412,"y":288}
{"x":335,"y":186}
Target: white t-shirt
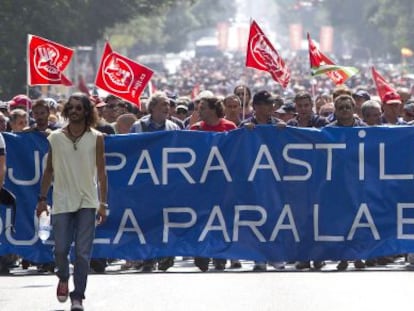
{"x":74,"y":171}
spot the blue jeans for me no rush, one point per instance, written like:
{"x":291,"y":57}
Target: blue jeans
{"x":80,"y":228}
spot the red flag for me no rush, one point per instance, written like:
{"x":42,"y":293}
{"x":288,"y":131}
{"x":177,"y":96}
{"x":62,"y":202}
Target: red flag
{"x":46,"y":62}
{"x":121,"y":76}
{"x":82,"y":85}
{"x":263,"y":56}
{"x":382,"y":86}
{"x":317,"y":59}
{"x":195,"y":91}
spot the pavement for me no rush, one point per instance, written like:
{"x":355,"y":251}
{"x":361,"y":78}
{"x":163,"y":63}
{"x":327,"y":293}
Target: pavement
{"x":183,"y":287}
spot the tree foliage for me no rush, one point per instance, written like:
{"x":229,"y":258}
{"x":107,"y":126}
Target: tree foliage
{"x":72,"y":23}
{"x":381,"y":27}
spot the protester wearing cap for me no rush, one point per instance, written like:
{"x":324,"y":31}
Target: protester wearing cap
{"x":286,"y":112}
{"x":360,"y":96}
{"x":181,"y":112}
{"x":263,"y":103}
{"x":20,"y":101}
{"x":263,"y":109}
{"x":4,"y":108}
{"x":391,"y":109}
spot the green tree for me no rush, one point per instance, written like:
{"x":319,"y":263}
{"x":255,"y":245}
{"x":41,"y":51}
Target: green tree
{"x":72,"y":23}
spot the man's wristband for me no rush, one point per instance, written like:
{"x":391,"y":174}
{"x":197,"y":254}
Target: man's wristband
{"x":103,"y":204}
{"x":41,"y":198}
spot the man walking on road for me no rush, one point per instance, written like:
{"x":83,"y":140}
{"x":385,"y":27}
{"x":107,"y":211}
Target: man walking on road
{"x":76,"y":163}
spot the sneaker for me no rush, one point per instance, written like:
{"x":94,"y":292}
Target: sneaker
{"x":359,"y":264}
{"x":318,"y":265}
{"x":342,"y":266}
{"x":300,"y":265}
{"x":62,"y":291}
{"x":259,"y":267}
{"x":235,"y":264}
{"x":165,"y":263}
{"x":76,"y":305}
{"x":202,"y":263}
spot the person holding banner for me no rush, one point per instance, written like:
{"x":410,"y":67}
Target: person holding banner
{"x":76,"y":164}
{"x":156,"y":120}
{"x":211,"y":111}
{"x":345,"y":116}
{"x":4,"y":260}
{"x":305,"y":117}
{"x":263,"y":103}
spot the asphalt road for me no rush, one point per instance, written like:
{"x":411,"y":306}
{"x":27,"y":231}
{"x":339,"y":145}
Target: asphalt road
{"x":184,"y":288}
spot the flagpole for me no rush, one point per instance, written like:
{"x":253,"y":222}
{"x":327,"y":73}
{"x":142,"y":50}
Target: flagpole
{"x":244,"y":103}
{"x":27,"y":77}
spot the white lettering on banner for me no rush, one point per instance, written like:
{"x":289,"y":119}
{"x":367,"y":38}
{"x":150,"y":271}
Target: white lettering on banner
{"x":138,"y":170}
{"x":401,"y":220}
{"x":215,"y":153}
{"x":29,"y":182}
{"x":129,"y":215}
{"x":329,"y":148}
{"x":180,"y":166}
{"x":14,"y":241}
{"x":169,"y":224}
{"x":361,"y":156}
{"x":215,"y":213}
{"x":280,"y":225}
{"x":122,"y":161}
{"x":363,"y":210}
{"x":298,"y":162}
{"x":252,"y":224}
{"x":383,"y":175}
{"x":264,"y":151}
{"x":322,"y":238}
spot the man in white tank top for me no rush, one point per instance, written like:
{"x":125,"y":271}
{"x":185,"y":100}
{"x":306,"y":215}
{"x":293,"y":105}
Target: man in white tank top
{"x":76,"y":164}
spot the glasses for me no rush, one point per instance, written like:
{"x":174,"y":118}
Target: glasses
{"x":76,"y":107}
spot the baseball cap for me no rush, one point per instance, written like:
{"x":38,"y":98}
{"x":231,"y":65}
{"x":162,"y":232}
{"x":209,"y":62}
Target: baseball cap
{"x":392,"y":98}
{"x":182,"y":107}
{"x":204,"y":94}
{"x":362,"y":93}
{"x":263,"y":97}
{"x":20,"y":100}
{"x":287,"y":108}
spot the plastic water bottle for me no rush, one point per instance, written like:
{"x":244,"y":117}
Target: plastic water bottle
{"x":44,"y":226}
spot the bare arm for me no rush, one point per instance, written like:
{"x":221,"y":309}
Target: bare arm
{"x":45,"y":184}
{"x":102,"y":178}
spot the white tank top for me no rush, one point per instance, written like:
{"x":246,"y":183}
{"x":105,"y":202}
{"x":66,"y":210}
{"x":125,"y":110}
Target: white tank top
{"x":74,"y":172}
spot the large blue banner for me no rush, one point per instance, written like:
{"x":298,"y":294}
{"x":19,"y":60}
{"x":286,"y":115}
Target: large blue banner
{"x":262,"y":194}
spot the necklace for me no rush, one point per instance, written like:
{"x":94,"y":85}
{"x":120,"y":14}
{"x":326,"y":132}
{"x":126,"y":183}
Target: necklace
{"x":75,"y":139}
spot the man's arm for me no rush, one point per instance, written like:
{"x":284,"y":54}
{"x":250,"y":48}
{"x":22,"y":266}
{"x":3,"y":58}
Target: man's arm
{"x":45,"y":184}
{"x":102,"y":178}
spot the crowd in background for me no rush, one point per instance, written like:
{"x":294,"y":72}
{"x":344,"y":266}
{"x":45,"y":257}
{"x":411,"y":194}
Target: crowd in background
{"x":218,"y":95}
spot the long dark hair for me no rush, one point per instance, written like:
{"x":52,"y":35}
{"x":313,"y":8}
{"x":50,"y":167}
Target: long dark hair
{"x":91,"y":115}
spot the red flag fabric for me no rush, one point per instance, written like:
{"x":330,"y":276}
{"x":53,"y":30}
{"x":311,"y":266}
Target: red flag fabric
{"x":382,"y":86}
{"x":317,"y":59}
{"x":121,"y":76}
{"x":46,"y":61}
{"x":263,"y":56}
{"x":82,"y":85}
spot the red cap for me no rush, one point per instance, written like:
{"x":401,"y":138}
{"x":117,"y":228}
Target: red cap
{"x":392,"y":98}
{"x":20,"y":100}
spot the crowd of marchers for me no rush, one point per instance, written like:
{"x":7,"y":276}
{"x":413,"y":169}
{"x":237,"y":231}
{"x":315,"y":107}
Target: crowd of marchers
{"x":222,"y":95}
